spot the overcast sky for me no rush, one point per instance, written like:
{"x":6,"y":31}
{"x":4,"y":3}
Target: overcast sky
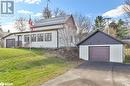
{"x":90,"y":8}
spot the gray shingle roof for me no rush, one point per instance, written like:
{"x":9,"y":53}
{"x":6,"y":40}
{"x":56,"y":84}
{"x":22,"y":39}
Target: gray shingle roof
{"x":96,"y":31}
{"x":51,"y":21}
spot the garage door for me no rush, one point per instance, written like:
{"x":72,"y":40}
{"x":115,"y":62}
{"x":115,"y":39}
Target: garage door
{"x":10,"y":43}
{"x":99,"y":53}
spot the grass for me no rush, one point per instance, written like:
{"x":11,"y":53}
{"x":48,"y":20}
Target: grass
{"x":127,"y":57}
{"x":29,"y":68}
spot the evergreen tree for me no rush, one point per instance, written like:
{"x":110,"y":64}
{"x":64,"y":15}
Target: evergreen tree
{"x":121,"y":29}
{"x":99,"y":22}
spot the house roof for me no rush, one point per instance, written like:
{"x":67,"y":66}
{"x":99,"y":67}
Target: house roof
{"x":51,"y":21}
{"x":96,"y":31}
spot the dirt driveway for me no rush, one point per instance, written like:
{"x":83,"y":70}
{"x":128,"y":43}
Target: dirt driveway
{"x":94,"y":74}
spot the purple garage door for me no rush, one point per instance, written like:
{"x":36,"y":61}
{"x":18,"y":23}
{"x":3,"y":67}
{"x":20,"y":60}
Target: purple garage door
{"x":99,"y":53}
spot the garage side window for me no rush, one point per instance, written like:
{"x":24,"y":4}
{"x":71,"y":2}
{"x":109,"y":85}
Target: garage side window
{"x":48,"y":36}
{"x":40,"y":37}
{"x":33,"y":38}
{"x":26,"y":38}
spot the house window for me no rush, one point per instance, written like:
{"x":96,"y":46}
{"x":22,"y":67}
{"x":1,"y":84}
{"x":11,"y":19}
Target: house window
{"x":33,"y":38}
{"x":40,"y":37}
{"x":71,"y":39}
{"x":48,"y":36}
{"x":26,"y":38}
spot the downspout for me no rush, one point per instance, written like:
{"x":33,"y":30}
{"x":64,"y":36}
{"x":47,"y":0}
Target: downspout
{"x":57,"y":39}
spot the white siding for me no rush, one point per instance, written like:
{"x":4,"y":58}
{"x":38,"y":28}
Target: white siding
{"x":43,"y":44}
{"x":83,"y":52}
{"x":63,"y":41}
{"x":116,"y":52}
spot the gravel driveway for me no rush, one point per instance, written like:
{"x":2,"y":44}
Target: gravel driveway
{"x":94,"y":74}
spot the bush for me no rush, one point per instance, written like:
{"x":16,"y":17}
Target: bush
{"x":66,"y":53}
{"x":127,"y":55}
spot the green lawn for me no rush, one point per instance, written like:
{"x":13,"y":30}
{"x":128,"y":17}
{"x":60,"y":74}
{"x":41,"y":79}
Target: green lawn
{"x":29,"y":68}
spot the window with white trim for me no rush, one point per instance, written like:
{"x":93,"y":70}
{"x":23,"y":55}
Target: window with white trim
{"x":40,"y":37}
{"x":48,"y":36}
{"x":26,"y":38}
{"x":33,"y":38}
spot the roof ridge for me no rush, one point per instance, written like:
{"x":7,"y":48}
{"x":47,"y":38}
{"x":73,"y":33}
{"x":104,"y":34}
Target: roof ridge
{"x":56,"y":17}
{"x":52,"y":21}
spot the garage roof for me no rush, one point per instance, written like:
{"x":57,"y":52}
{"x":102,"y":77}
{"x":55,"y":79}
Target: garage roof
{"x":99,"y":38}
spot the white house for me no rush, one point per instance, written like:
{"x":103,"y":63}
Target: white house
{"x":55,"y":32}
{"x":99,"y":46}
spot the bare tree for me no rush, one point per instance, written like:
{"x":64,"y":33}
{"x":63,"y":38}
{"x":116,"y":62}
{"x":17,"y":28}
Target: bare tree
{"x":21,"y":24}
{"x":59,"y":12}
{"x":127,"y":7}
{"x":1,"y":31}
{"x":2,"y":34}
{"x":67,"y":36}
{"x":84,"y":26}
{"x":47,"y":13}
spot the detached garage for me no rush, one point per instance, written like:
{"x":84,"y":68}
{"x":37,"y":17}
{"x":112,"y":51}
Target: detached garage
{"x":101,"y":47}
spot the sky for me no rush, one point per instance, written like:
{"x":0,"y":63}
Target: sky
{"x":89,"y":8}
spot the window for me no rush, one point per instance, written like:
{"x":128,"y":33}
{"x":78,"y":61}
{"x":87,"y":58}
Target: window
{"x":40,"y":37}
{"x":26,"y":38}
{"x":71,"y":39}
{"x":48,"y":36}
{"x":33,"y":38}
{"x":19,"y":37}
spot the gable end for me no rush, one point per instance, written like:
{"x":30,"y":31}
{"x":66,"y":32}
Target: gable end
{"x":100,"y":38}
